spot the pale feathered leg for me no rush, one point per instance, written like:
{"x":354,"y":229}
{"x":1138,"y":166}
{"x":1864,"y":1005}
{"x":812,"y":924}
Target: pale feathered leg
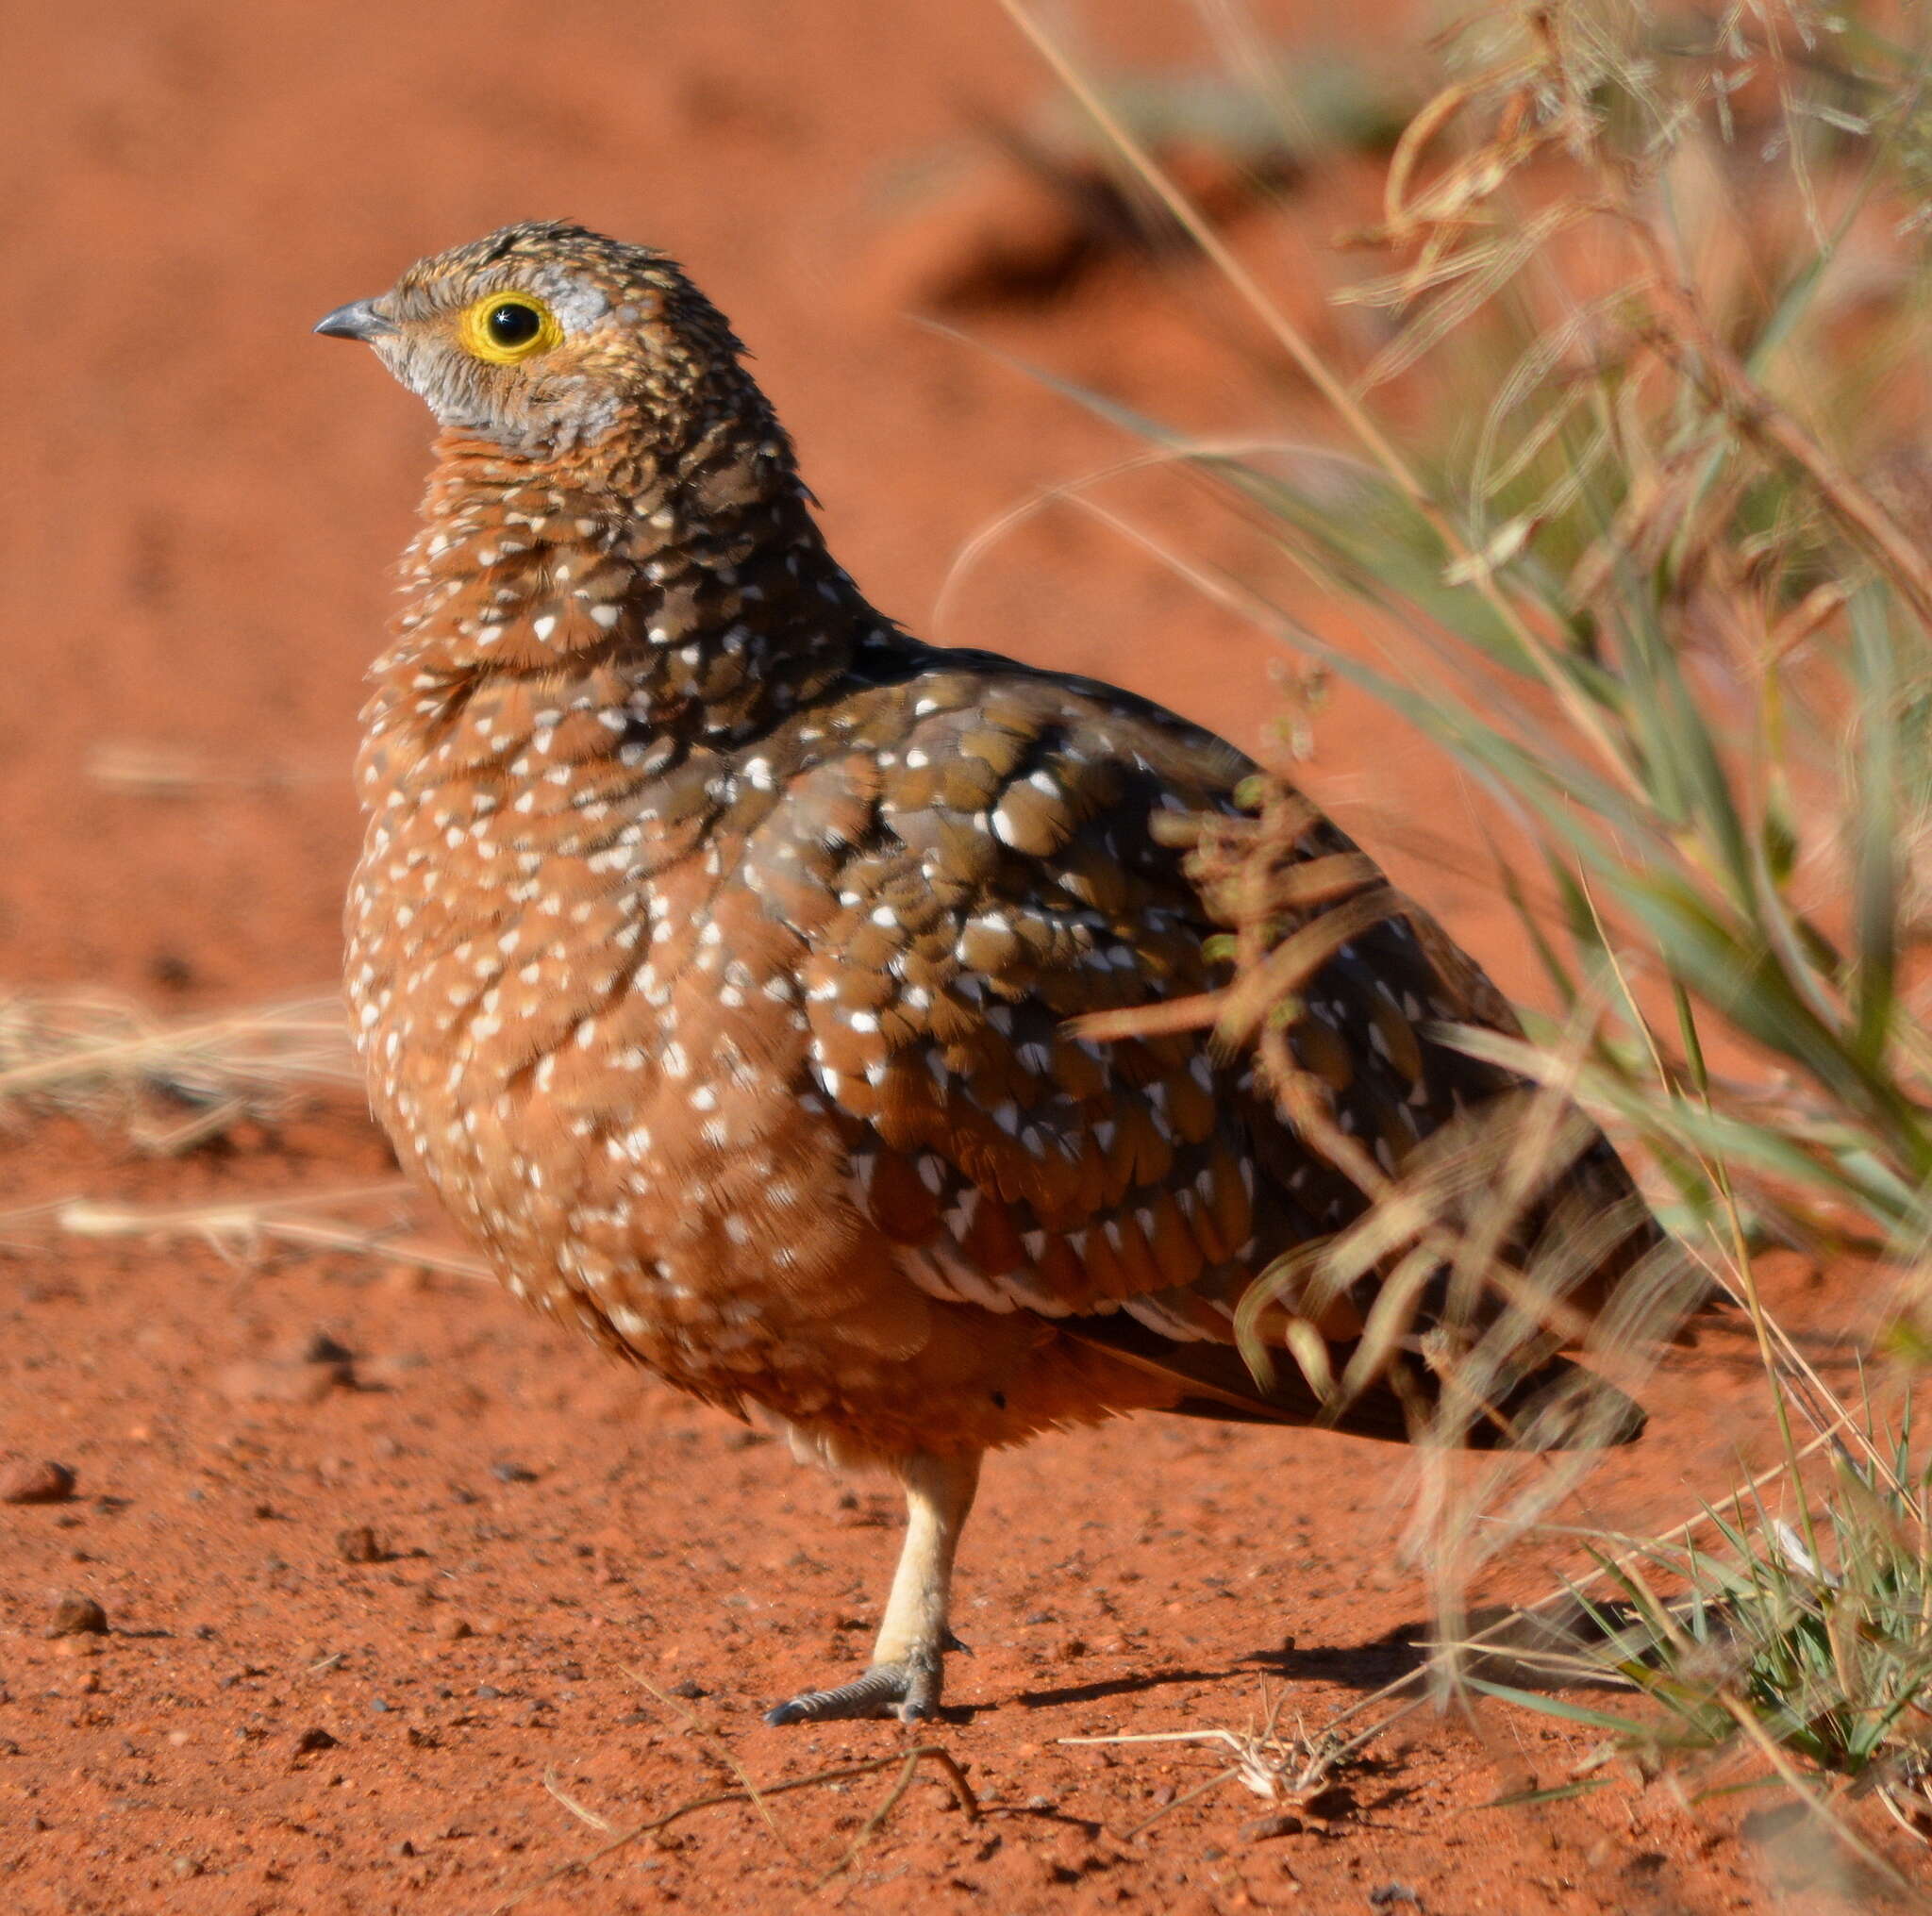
{"x":909,"y":1660}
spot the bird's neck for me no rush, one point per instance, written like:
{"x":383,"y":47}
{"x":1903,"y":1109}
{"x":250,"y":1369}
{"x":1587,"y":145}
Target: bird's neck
{"x":701,"y":605}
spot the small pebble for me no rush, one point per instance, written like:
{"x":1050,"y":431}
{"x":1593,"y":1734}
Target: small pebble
{"x":314,"y":1738}
{"x":318,"y":1347}
{"x":687,"y":1689}
{"x":36,"y":1482}
{"x":78,"y":1616}
{"x":171,"y":968}
{"x":1282,"y":1822}
{"x":508,"y":1472}
{"x":487,"y":1691}
{"x":452,"y":1627}
{"x":358,"y":1544}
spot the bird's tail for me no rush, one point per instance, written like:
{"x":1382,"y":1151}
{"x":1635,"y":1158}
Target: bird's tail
{"x":1557,"y":1405}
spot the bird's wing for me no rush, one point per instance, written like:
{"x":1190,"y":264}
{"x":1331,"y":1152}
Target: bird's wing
{"x":1010,"y":877}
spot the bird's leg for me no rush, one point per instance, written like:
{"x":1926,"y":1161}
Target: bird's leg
{"x":909,"y":1660}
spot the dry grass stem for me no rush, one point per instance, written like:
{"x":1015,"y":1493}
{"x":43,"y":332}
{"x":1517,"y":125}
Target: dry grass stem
{"x":171,"y":1083}
{"x":583,"y":1813}
{"x":716,"y":1744}
{"x":238,"y":1227}
{"x":148,"y":769}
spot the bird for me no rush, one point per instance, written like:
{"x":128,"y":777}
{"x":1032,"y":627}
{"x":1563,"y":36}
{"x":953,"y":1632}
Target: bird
{"x":734,"y":967}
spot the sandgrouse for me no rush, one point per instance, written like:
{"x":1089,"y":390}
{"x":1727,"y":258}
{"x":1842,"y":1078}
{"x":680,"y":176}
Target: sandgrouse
{"x":715,"y":946}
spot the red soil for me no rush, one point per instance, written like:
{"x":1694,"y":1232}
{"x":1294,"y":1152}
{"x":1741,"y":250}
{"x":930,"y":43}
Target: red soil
{"x":204,"y":505}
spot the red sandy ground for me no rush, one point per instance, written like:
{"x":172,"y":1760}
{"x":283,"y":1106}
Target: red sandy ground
{"x":203,"y":505}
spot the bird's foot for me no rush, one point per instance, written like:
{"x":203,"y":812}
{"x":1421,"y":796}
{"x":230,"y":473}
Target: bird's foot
{"x":906,"y":1687}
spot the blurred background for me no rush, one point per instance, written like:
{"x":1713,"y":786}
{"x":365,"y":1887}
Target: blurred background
{"x":209,"y":501}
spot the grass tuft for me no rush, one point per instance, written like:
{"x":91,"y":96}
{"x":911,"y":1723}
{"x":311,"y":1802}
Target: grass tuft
{"x":170,"y":1084}
{"x":1629,"y":492}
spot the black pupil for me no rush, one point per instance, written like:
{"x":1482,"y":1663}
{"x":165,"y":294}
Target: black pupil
{"x":511,"y":324}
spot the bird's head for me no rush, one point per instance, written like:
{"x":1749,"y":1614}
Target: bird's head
{"x":549,"y":339}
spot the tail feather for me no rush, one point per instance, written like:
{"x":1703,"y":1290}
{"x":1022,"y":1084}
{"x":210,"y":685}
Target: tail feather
{"x":1558,"y":1404}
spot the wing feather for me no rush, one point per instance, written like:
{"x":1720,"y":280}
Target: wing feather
{"x":1018,"y":868}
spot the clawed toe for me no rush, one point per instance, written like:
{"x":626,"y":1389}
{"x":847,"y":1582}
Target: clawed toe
{"x":908,"y":1689}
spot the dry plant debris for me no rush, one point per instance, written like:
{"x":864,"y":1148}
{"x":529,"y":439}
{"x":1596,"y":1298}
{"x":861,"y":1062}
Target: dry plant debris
{"x":238,"y":1227}
{"x":169,"y":1083}
{"x":1270,"y":1763}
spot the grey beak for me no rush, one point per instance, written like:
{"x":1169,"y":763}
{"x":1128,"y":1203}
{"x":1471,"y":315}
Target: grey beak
{"x":359,"y":320}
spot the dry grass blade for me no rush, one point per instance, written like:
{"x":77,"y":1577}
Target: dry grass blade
{"x":583,"y":1813}
{"x":149,"y":769}
{"x":107,"y":1059}
{"x":22,"y":1227}
{"x":716,"y":1744}
{"x":1189,"y":453}
{"x":240,"y":1226}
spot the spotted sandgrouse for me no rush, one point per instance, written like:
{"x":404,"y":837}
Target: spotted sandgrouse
{"x":715,"y":946}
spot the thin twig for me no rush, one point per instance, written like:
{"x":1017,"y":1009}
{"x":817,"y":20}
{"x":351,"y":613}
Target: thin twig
{"x":956,"y":1777}
{"x":602,"y":1824}
{"x":713,"y":1742}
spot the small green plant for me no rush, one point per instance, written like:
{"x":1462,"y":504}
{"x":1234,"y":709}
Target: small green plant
{"x":1812,"y":1650}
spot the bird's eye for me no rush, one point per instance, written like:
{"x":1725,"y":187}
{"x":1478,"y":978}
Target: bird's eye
{"x":512,"y":325}
{"x":508,"y":326}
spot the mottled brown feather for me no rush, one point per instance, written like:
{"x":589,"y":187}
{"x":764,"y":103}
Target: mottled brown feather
{"x":714,"y":943}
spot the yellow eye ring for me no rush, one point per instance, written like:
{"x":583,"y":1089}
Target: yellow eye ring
{"x":507,"y":327}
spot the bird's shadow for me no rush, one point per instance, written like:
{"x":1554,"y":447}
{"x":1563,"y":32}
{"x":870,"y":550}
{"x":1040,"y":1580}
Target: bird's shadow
{"x":1360,"y":1666}
{"x":1402,"y":1652}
